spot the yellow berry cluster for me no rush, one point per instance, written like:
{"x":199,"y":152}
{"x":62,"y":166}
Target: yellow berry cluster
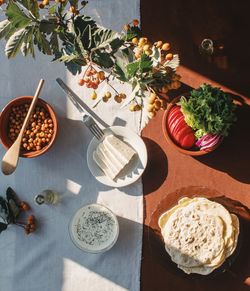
{"x":118,"y":97}
{"x":142,"y":45}
{"x":107,"y":96}
{"x":155,"y":104}
{"x":135,"y":107}
{"x":174,"y":84}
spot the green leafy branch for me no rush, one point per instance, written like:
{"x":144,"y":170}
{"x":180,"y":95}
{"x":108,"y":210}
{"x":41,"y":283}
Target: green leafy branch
{"x":77,"y":40}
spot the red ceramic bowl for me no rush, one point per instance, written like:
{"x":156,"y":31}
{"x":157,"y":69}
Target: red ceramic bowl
{"x":189,"y":152}
{"x":4,"y":123}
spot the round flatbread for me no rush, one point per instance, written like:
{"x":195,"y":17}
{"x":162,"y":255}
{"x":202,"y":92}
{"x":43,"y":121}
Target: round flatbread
{"x":199,"y":234}
{"x":193,"y":239}
{"x":236,"y":228}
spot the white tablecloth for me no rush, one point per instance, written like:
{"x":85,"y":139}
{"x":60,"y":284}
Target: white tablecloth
{"x":47,"y":260}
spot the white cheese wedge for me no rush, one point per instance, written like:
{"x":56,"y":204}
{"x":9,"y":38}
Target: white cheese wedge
{"x":119,"y":149}
{"x":112,"y":155}
{"x":107,"y":171}
{"x":111,"y":164}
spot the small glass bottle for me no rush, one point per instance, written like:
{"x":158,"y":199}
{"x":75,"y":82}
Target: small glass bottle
{"x":47,"y":197}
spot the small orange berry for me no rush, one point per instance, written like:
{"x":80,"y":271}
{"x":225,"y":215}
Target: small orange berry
{"x":81,"y":82}
{"x":72,"y":9}
{"x":169,"y":57}
{"x":118,"y":99}
{"x":152,"y":98}
{"x":137,"y":107}
{"x":165,"y":46}
{"x":135,"y":22}
{"x":158,"y":44}
{"x":105,"y":99}
{"x":108,"y":94}
{"x":31,"y":219}
{"x":25,"y":206}
{"x":101,"y":75}
{"x":122,"y":95}
{"x":135,"y":40}
{"x":41,"y":5}
{"x":93,"y":95}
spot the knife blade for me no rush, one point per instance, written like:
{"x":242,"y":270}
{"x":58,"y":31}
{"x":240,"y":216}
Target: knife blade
{"x":73,"y":97}
{"x":78,"y":103}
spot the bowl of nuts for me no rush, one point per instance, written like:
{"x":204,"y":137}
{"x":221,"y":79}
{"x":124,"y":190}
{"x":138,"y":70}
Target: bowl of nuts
{"x":40,"y":133}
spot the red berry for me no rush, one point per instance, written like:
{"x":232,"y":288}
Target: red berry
{"x":27,"y":229}
{"x":31,"y":219}
{"x":32,"y":227}
{"x":135,"y":22}
{"x":81,"y":82}
{"x":25,"y":206}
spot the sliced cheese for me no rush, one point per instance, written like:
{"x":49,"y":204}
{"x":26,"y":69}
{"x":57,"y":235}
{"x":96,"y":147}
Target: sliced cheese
{"x":107,"y":171}
{"x":112,"y":155}
{"x":109,"y":155}
{"x":119,"y":149}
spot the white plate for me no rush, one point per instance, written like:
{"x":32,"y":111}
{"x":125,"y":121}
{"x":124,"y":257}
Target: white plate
{"x":133,"y":170}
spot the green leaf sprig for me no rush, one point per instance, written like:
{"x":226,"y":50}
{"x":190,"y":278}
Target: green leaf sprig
{"x":77,"y":40}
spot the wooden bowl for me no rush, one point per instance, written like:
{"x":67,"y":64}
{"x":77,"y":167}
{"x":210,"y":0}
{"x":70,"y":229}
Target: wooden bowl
{"x":189,"y":152}
{"x":4,"y":123}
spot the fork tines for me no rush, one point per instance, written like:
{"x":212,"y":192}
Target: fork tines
{"x":96,"y":131}
{"x":93,"y":127}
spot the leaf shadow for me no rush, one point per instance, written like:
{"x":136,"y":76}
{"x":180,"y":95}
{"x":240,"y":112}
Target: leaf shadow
{"x":233,"y":155}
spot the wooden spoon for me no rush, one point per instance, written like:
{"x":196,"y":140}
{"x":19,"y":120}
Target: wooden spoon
{"x":10,"y":159}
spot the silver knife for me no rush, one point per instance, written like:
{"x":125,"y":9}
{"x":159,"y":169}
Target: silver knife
{"x":79,"y":104}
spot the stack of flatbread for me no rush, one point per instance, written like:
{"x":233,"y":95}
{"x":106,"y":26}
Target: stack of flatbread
{"x":199,"y":234}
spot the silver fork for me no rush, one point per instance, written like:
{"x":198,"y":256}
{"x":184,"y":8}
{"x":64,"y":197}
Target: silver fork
{"x":82,"y":108}
{"x":93,"y":127}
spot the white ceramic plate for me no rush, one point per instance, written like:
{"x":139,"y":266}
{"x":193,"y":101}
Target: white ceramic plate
{"x":133,"y":170}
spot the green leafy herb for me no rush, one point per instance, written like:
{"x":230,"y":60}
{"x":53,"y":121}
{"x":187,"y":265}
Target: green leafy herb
{"x":16,"y":16}
{"x":77,"y":40}
{"x":209,"y":110}
{"x":15,"y":42}
{"x":42,"y":42}
{"x":5,"y":27}
{"x":103,"y":58}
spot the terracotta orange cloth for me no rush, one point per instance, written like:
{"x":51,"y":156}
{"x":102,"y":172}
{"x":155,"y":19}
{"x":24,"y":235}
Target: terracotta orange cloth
{"x":227,"y":170}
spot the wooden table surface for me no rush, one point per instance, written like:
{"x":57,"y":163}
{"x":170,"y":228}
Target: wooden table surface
{"x":227,"y":170}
